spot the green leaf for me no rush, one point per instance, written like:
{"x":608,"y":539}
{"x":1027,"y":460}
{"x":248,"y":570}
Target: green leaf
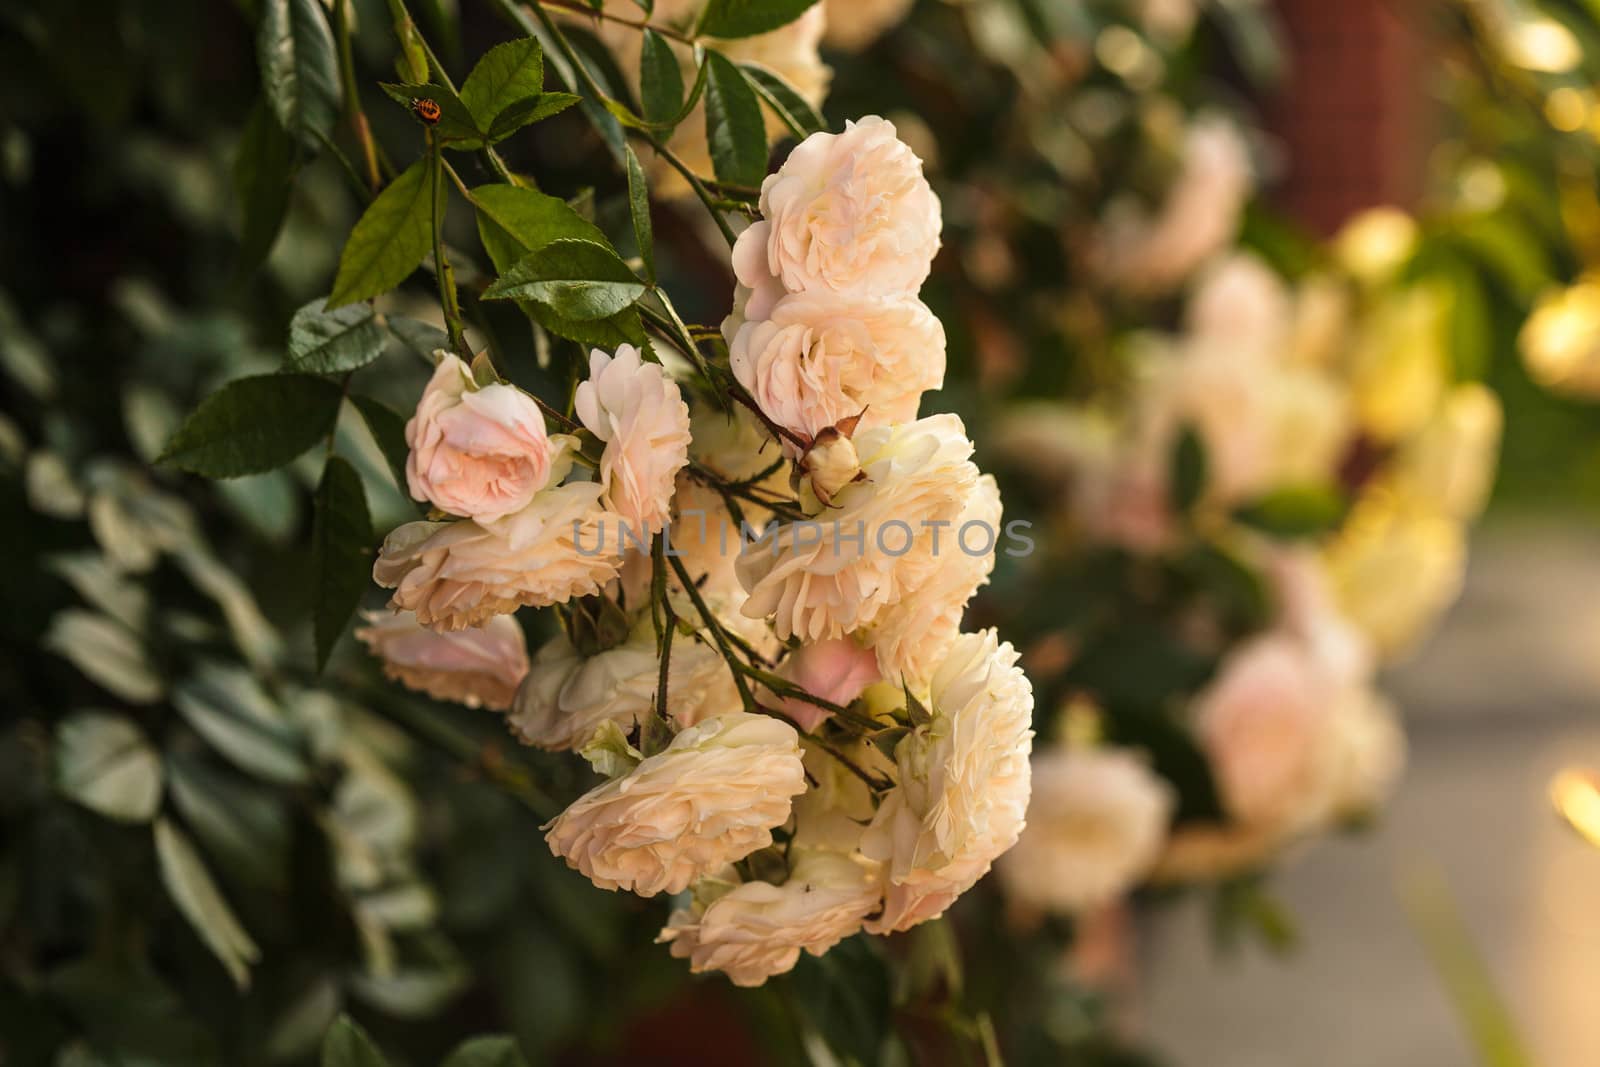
{"x":108,"y":655}
{"x":456,"y":127}
{"x":347,"y":1045}
{"x":299,"y":67}
{"x":660,"y":79}
{"x":242,"y":825}
{"x":227,"y":707}
{"x":785,"y":101}
{"x":341,"y":541}
{"x":388,"y":428}
{"x":526,"y":112}
{"x":263,"y":175}
{"x":639,"y":209}
{"x":495,"y":1051}
{"x":844,"y":995}
{"x":507,"y":73}
{"x":104,"y":763}
{"x":746,"y":18}
{"x":416,"y":335}
{"x":578,"y":280}
{"x":734,"y":127}
{"x":390,"y":241}
{"x":192,"y":889}
{"x":253,"y":425}
{"x":331,"y":342}
{"x":1188,"y":470}
{"x":621,"y":328}
{"x":513,"y":221}
{"x":1295,"y":511}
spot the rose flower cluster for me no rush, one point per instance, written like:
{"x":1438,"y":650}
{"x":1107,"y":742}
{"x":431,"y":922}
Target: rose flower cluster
{"x":760,"y":592}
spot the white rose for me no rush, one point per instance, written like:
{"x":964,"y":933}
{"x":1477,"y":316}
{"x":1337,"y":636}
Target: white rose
{"x":1366,"y":754}
{"x":873,"y":547}
{"x":912,"y":636}
{"x":566,"y":696}
{"x":479,"y":667}
{"x":460,"y":574}
{"x":757,"y":929}
{"x":962,"y":788}
{"x":640,"y":415}
{"x":854,"y":24}
{"x":1151,"y":255}
{"x":482,"y":453}
{"x":821,"y":357}
{"x":1096,"y":824}
{"x":1449,"y":466}
{"x":1240,"y":301}
{"x":850,"y":212}
{"x":712,"y":797}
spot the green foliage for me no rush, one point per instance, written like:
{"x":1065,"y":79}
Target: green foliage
{"x":332,"y":342}
{"x":734,"y":128}
{"x":785,"y":102}
{"x":299,"y":69}
{"x":1189,"y":465}
{"x":746,"y":18}
{"x":388,"y":428}
{"x":660,"y":79}
{"x":195,"y":893}
{"x":487,"y":1052}
{"x":388,"y":243}
{"x":263,"y":175}
{"x":254,"y":425}
{"x":639,"y":213}
{"x":1295,"y":511}
{"x":508,"y":74}
{"x":104,"y":763}
{"x":578,"y":280}
{"x":347,"y":1045}
{"x":341,"y":544}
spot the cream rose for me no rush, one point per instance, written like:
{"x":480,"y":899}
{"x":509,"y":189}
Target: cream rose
{"x":478,"y":452}
{"x":850,"y":212}
{"x":1449,"y":466}
{"x":1096,"y":824}
{"x":756,"y":930}
{"x":712,"y":797}
{"x":1366,"y":751}
{"x":566,"y":696}
{"x":911,"y":637}
{"x":962,"y":784}
{"x":640,"y":415}
{"x":822,"y":356}
{"x":479,"y":667}
{"x":454,"y":575}
{"x":834,"y":575}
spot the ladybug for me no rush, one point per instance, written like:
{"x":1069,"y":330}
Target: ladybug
{"x":426,"y":110}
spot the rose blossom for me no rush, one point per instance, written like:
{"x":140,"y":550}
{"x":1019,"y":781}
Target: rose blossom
{"x":1260,"y":722}
{"x":1096,"y":823}
{"x":479,"y":667}
{"x":1366,"y":751}
{"x":640,"y":415}
{"x":962,"y":787}
{"x":837,"y":670}
{"x":849,"y":212}
{"x":874,"y":545}
{"x":459,"y":574}
{"x":820,"y":357}
{"x":566,"y":696}
{"x":911,"y":637}
{"x":710,"y":798}
{"x":756,"y":930}
{"x":482,"y":453}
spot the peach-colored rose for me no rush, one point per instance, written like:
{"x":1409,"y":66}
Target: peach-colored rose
{"x":837,"y":670}
{"x":478,"y":452}
{"x":710,"y":798}
{"x":850,"y":212}
{"x":478,"y":667}
{"x":823,"y":356}
{"x":460,"y":574}
{"x":640,"y":414}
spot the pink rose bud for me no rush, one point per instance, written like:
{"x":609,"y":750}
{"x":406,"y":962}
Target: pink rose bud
{"x":837,"y":670}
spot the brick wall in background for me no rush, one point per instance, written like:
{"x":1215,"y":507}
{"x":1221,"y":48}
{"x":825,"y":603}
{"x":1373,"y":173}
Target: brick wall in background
{"x":1352,"y":116}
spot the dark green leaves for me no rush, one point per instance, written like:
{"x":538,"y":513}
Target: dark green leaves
{"x":347,"y":1045}
{"x":513,"y":221}
{"x":456,"y":126}
{"x":388,"y":429}
{"x":1295,"y":511}
{"x":191,"y":888}
{"x":785,"y":102}
{"x":299,"y":68}
{"x":507,"y":74}
{"x":639,"y":209}
{"x":526,"y":112}
{"x":578,"y":280}
{"x":388,"y":243}
{"x":746,"y":18}
{"x":660,"y":79}
{"x":499,"y":1051}
{"x":734,"y":127}
{"x":254,"y":425}
{"x":331,"y":342}
{"x":262,"y":177}
{"x":227,"y":706}
{"x":341,"y":536}
{"x":104,"y":763}
{"x":1188,"y":470}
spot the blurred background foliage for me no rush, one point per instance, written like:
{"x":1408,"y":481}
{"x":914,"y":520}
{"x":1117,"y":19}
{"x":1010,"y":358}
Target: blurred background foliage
{"x":210,"y":850}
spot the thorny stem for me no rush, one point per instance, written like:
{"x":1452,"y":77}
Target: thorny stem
{"x":447,"y":278}
{"x":347,"y":75}
{"x":876,"y":784}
